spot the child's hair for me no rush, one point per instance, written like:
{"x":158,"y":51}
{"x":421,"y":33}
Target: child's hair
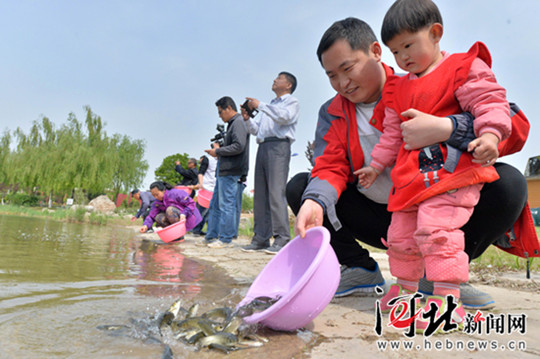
{"x":409,"y":16}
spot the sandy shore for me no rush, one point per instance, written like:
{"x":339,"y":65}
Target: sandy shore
{"x":347,"y":325}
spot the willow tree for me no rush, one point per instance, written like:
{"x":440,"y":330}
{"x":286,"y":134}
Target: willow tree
{"x":76,"y":156}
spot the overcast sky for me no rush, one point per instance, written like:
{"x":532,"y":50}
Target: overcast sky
{"x":153,"y":69}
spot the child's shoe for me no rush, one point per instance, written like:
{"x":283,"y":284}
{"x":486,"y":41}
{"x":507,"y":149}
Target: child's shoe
{"x":458,"y":315}
{"x":394,"y":291}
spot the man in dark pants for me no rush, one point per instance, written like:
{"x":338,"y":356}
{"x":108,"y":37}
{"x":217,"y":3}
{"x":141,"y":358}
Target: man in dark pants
{"x":347,"y":129}
{"x":275,"y":129}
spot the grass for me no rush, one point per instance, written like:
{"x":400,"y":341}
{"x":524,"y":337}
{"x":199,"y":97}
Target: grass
{"x":78,"y":215}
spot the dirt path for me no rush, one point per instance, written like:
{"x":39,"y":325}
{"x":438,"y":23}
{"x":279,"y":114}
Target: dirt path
{"x":346,"y":326}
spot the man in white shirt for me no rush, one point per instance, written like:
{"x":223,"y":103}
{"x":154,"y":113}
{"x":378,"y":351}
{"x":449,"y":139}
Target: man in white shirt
{"x":275,"y":130}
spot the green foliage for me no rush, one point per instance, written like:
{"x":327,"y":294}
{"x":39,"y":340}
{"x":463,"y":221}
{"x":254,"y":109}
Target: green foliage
{"x":166,"y":171}
{"x":247,"y":203}
{"x":74,"y":156}
{"x":22,"y":199}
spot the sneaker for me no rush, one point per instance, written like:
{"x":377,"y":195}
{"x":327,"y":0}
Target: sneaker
{"x":204,"y":242}
{"x":458,"y":315}
{"x":273,"y":249}
{"x":395,"y":291}
{"x":199,"y":234}
{"x":150,"y":231}
{"x":471,"y":297}
{"x":220,"y":244}
{"x":357,"y":279}
{"x":253,"y":247}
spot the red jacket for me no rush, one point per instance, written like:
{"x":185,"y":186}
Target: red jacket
{"x":338,"y":154}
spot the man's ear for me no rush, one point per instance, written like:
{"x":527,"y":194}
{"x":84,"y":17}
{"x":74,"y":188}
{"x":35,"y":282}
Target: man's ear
{"x":436,"y":32}
{"x":376,"y":50}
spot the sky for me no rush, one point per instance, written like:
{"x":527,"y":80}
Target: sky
{"x":152,"y":70}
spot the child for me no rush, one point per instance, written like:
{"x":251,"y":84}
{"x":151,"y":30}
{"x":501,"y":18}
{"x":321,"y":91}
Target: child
{"x":435,"y":188}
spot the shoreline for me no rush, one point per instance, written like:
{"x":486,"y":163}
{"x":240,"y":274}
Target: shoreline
{"x":347,"y":325}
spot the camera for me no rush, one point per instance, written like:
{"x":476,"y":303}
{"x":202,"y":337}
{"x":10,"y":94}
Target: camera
{"x":219,"y":136}
{"x":249,"y":111}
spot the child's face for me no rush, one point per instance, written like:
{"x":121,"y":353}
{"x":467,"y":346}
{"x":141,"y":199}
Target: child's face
{"x":417,"y":52}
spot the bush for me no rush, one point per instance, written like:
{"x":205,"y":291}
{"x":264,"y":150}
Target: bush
{"x":247,"y":203}
{"x":22,"y":199}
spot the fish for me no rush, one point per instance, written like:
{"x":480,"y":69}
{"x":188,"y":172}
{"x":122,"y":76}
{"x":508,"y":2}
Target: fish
{"x":222,"y":338}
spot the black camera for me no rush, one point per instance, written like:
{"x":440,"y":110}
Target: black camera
{"x":219,"y":136}
{"x":249,"y":111}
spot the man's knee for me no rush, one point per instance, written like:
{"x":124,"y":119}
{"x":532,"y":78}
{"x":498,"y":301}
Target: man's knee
{"x":295,"y":189}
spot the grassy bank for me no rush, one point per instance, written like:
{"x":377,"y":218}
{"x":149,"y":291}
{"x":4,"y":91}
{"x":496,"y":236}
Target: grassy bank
{"x":79,"y":215}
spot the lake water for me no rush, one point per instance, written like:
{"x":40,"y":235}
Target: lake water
{"x":60,"y":281}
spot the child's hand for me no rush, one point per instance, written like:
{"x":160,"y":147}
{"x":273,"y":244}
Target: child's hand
{"x":366,"y":176}
{"x":484,"y":149}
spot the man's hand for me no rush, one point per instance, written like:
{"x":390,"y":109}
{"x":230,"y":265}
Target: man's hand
{"x":484,"y":149}
{"x":423,"y":130}
{"x":253,"y":103}
{"x":310,"y":215}
{"x":143,"y":229}
{"x":244,"y":114}
{"x":133,"y":219}
{"x":212,"y":151}
{"x":366,"y":176}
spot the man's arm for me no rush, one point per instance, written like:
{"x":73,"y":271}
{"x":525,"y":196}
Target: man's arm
{"x":329,"y":175}
{"x":239,"y":137}
{"x":285,"y":113}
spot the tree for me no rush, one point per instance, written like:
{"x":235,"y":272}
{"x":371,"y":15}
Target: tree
{"x":166,"y":171}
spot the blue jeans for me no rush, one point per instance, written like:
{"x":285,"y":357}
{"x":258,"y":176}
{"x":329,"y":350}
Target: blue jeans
{"x":222,"y":221}
{"x":204,"y":214}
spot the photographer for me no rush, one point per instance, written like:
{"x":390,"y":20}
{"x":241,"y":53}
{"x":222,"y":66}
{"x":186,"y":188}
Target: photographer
{"x":275,"y":129}
{"x":233,"y":162}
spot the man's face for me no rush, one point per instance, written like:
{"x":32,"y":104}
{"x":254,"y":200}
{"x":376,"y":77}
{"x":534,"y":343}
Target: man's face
{"x":225,"y":114}
{"x":191,"y":164}
{"x":357,"y":76}
{"x":137,"y":195}
{"x":281,"y":84}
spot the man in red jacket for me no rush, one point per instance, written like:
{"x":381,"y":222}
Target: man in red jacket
{"x":348,"y":127}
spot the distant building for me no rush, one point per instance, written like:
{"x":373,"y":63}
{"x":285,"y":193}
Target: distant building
{"x":532,"y":174}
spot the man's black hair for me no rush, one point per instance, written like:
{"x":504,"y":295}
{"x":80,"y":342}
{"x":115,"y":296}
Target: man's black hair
{"x":225,"y":102}
{"x":356,"y":32}
{"x":409,"y":16}
{"x":135,"y":191}
{"x":291,"y":78}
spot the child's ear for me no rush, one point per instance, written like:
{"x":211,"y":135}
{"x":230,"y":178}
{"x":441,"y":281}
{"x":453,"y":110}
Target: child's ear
{"x":436,"y":32}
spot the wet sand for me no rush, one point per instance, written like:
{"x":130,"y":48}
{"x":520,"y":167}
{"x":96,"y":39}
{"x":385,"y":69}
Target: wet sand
{"x":346,"y":328}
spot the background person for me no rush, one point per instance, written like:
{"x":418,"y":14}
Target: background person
{"x":146,"y":199}
{"x":207,"y":181}
{"x":189,"y":174}
{"x":171,"y":205}
{"x":348,"y":128}
{"x":233,"y":162}
{"x":274,"y":129}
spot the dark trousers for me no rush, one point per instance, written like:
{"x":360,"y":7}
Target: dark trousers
{"x":500,"y":205}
